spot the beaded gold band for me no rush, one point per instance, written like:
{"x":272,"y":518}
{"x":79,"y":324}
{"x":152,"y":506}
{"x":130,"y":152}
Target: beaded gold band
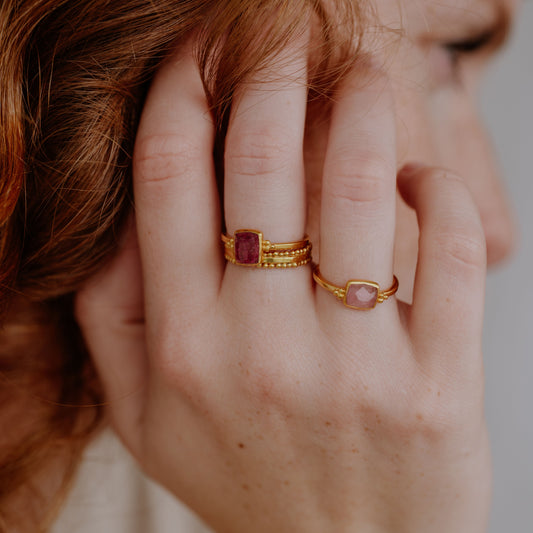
{"x":248,"y":248}
{"x":357,"y":294}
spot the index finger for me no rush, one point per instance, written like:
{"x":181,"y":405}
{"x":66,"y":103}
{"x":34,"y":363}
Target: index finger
{"x":176,"y":198}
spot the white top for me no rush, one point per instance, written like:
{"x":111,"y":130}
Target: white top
{"x":111,"y":495}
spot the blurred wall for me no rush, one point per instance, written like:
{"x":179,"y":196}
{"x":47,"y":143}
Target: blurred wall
{"x":508,"y":338}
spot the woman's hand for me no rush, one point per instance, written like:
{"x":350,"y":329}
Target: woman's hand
{"x":256,"y":398}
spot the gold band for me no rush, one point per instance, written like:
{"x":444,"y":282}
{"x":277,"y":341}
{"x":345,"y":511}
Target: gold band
{"x":357,"y":294}
{"x":248,"y":248}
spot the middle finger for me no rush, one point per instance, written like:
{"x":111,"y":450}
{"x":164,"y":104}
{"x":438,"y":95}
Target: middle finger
{"x":264,"y":176}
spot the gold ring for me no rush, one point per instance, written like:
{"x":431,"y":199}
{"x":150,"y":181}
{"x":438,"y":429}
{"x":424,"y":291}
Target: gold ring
{"x":358,"y":293}
{"x":248,"y":247}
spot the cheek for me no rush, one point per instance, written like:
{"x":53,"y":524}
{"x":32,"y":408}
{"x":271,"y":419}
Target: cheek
{"x":440,"y":66}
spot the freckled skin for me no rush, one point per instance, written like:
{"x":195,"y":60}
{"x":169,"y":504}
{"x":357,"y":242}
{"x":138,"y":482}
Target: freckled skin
{"x":335,"y":413}
{"x":455,"y":139}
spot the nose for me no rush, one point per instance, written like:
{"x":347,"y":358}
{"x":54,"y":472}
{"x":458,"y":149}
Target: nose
{"x":483,"y":175}
{"x":500,"y":227}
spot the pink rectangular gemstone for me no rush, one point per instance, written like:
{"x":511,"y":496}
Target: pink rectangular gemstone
{"x":247,"y":248}
{"x":361,"y":295}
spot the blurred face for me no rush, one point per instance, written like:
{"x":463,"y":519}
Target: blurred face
{"x":435,"y":64}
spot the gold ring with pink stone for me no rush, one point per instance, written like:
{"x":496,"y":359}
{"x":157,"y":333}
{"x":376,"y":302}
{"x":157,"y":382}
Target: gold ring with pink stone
{"x":248,"y":247}
{"x":357,"y":293}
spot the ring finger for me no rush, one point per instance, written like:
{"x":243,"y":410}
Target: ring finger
{"x":358,"y":190}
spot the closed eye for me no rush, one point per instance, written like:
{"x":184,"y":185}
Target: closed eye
{"x":491,"y":39}
{"x":471,"y":46}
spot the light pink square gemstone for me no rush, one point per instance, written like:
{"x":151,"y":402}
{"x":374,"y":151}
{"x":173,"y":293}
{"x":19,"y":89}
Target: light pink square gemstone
{"x":361,"y":295}
{"x":247,"y":248}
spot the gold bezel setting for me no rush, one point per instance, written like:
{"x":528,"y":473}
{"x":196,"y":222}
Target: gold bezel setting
{"x":361,"y":284}
{"x":342,"y":293}
{"x":237,"y":235}
{"x":264,"y":253}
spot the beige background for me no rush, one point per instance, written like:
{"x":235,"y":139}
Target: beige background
{"x":112,"y":497}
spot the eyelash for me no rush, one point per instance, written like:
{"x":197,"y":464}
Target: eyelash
{"x":469,"y":47}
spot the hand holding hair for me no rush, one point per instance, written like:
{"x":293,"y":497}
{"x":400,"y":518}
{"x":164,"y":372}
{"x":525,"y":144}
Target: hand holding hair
{"x":256,"y":396}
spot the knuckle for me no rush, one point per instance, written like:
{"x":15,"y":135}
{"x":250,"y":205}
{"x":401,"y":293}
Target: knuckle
{"x":421,"y":410}
{"x":424,"y":418}
{"x":363,"y":180}
{"x":173,"y":360}
{"x":438,"y":420}
{"x":430,"y":420}
{"x":457,"y":233}
{"x":259,"y":153}
{"x":266,"y":385}
{"x":158,"y":158}
{"x":176,"y":371}
{"x":462,"y":245}
{"x":440,"y":175}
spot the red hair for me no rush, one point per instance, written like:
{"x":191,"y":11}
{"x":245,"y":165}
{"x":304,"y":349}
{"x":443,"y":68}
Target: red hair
{"x":74,"y":75}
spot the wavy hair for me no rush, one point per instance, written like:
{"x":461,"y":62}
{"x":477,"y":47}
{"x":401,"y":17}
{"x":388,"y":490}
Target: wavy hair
{"x":74,"y":74}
